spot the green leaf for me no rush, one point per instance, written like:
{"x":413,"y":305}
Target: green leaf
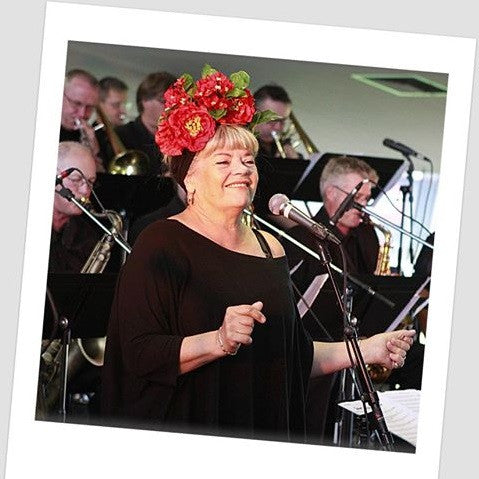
{"x":240,"y":79}
{"x":235,"y":93}
{"x":188,"y":81}
{"x":207,"y":70}
{"x":263,"y":117}
{"x":217,"y":114}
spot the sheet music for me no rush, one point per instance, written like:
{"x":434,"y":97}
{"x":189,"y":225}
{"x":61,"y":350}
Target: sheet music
{"x":400,"y":410}
{"x":311,"y":293}
{"x":414,"y":299}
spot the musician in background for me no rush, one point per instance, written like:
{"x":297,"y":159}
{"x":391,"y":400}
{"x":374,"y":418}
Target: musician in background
{"x":358,"y":238}
{"x":80,"y":97}
{"x":73,"y":236}
{"x":113,"y":98}
{"x":275,"y":98}
{"x":361,"y":246}
{"x":139,"y":134}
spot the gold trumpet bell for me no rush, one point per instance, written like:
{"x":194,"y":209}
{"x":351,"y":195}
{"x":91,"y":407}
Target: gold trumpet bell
{"x":130,"y":162}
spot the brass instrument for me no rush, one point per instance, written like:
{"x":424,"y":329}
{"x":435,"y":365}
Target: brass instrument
{"x":93,"y":349}
{"x":383,"y":267}
{"x":378,"y":373}
{"x":84,"y":140}
{"x":296,"y":136}
{"x":124,"y":162}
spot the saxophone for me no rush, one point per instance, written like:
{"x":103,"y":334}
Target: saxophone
{"x":93,"y":349}
{"x":383,"y":267}
{"x":378,"y":373}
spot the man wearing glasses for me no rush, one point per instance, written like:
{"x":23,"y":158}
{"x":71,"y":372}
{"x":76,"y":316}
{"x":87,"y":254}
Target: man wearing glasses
{"x":80,"y":97}
{"x":73,"y":236}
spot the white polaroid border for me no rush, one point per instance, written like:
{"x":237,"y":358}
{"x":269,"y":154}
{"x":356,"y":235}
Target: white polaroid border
{"x":37,"y":448}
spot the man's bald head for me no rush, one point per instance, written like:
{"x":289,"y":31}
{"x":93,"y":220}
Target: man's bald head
{"x":73,"y":155}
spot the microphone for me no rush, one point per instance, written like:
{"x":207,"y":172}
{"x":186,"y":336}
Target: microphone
{"x":279,"y":204}
{"x":405,"y":150}
{"x":347,"y":203}
{"x":63,"y":174}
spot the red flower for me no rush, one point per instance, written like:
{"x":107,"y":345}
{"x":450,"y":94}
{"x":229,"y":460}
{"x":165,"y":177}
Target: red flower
{"x":211,"y":91}
{"x":165,"y":139}
{"x":241,"y":110}
{"x":176,"y":94}
{"x":187,"y":127}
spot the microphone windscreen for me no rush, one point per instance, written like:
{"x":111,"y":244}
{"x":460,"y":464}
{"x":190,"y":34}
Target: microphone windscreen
{"x":389,"y":143}
{"x":276,"y":202}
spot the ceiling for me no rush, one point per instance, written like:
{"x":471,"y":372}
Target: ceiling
{"x":339,"y":114}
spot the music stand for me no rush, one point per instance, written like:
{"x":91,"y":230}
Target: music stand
{"x":79,"y":308}
{"x":134,"y":195}
{"x":373,"y":316}
{"x":85,"y":299}
{"x":298,"y":179}
{"x":389,"y":171}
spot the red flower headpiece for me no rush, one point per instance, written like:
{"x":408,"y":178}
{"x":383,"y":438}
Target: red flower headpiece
{"x":194,"y":109}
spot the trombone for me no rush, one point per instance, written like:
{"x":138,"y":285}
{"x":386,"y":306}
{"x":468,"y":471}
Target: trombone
{"x":296,"y":136}
{"x":124,"y":162}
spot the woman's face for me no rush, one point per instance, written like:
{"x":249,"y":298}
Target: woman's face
{"x":224,"y":178}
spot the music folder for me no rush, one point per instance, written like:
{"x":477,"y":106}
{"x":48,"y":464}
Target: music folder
{"x":298,"y":179}
{"x":373,"y":316}
{"x":83,"y":299}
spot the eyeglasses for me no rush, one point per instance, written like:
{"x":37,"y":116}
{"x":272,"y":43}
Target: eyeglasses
{"x":78,"y":181}
{"x":78,"y":105}
{"x":359,"y":197}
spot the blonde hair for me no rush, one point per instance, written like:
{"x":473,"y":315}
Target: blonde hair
{"x":343,"y":165}
{"x":226,"y":136}
{"x":231,"y":137}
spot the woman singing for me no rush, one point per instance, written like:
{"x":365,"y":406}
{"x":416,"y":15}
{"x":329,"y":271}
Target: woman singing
{"x":204,"y":335}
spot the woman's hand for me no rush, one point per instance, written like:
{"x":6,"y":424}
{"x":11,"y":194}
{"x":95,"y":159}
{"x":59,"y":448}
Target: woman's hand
{"x":387,"y":349}
{"x":238,"y":326}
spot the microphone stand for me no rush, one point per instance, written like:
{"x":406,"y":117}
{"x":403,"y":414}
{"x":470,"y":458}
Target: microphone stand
{"x":66,"y":341}
{"x":67,"y":194}
{"x":315,"y":255}
{"x":367,"y":392}
{"x":406,"y":192}
{"x":365,"y":386}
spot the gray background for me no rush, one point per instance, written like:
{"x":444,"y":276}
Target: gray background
{"x":21,"y":40}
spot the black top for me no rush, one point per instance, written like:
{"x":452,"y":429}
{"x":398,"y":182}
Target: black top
{"x":135,"y":136}
{"x":361,"y":246}
{"x":178,"y":283}
{"x":72,"y":245}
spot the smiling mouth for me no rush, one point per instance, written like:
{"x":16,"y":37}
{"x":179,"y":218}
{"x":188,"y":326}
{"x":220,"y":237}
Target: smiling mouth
{"x":238,"y":185}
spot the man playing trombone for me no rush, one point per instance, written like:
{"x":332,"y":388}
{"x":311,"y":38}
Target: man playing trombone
{"x":271,"y":145}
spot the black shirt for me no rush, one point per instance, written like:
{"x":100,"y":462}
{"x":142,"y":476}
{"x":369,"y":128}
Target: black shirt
{"x":178,"y":283}
{"x":135,"y":136}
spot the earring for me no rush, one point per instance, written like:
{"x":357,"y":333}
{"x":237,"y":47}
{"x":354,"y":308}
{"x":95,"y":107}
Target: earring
{"x":190,"y":197}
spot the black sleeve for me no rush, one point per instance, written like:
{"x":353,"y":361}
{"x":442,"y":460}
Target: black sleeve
{"x":144,"y":307}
